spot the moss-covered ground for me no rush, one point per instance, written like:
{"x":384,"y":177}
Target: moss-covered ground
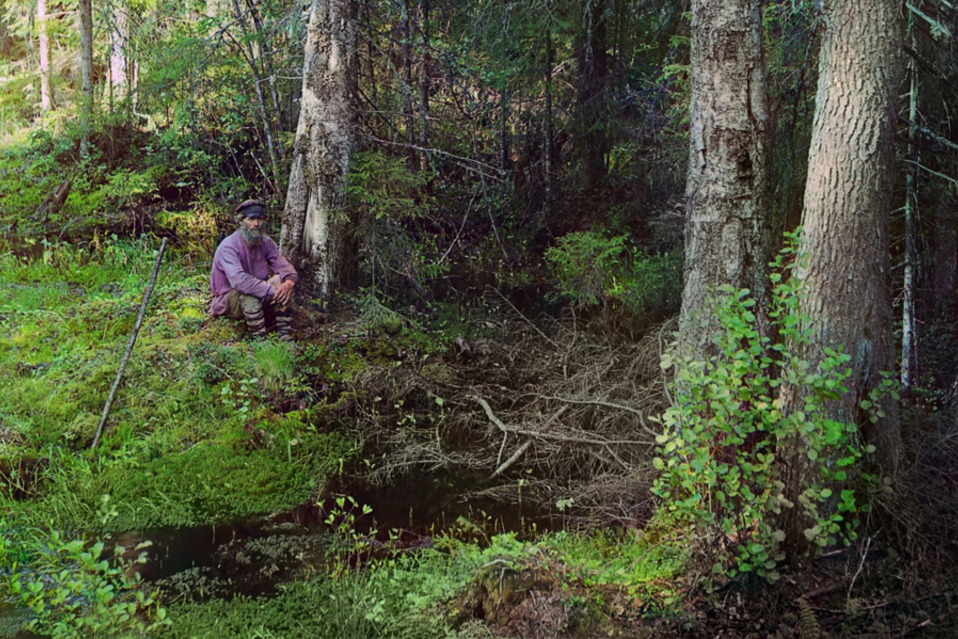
{"x":210,"y":428}
{"x":211,"y":431}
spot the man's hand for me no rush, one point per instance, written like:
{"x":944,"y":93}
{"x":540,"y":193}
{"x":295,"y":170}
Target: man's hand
{"x":283,"y":294}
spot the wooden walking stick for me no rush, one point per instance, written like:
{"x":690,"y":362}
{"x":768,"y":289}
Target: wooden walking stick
{"x":129,"y":346}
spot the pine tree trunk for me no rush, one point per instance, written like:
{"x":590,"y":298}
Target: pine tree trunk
{"x":844,"y":246}
{"x":314,"y":234}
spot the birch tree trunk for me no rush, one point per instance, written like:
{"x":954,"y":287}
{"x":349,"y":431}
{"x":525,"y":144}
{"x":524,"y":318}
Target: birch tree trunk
{"x":46,"y":93}
{"x":85,"y":10}
{"x":726,"y":224}
{"x":119,"y":37}
{"x":847,"y":204}
{"x":314,"y":234}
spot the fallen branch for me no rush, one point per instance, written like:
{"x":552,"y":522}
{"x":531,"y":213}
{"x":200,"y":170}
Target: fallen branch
{"x":54,"y":202}
{"x":129,"y":346}
{"x":513,"y":459}
{"x":599,"y":402}
{"x":567,"y":439}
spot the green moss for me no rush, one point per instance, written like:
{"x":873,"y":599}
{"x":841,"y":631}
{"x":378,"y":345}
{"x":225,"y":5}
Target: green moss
{"x":210,"y":482}
{"x":194,"y":434}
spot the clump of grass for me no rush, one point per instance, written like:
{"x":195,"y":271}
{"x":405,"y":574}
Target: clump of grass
{"x":432,"y":592}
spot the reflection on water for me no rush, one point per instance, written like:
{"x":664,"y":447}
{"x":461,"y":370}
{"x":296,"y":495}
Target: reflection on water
{"x":12,"y":620}
{"x":252,"y":557}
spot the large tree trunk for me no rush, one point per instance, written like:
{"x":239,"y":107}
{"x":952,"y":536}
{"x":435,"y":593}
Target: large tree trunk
{"x":851,"y":162}
{"x":314,"y":234}
{"x":726,"y":227}
{"x":844,"y":264}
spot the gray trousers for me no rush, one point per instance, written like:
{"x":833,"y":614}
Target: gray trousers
{"x":255,"y":312}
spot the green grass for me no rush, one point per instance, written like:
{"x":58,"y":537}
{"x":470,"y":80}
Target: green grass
{"x":430,"y":593}
{"x":193,"y":435}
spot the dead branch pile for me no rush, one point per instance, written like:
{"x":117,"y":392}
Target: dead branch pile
{"x":550,"y":417}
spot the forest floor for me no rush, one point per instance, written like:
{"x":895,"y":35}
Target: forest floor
{"x":900,"y":580}
{"x":471,"y":469}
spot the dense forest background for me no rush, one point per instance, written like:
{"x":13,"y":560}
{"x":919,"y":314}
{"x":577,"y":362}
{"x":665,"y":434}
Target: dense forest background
{"x":504,"y":213}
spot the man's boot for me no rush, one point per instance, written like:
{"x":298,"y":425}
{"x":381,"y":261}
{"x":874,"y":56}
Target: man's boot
{"x":255,"y":319}
{"x":284,"y":321}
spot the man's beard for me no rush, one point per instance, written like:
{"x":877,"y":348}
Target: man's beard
{"x":250,"y":236}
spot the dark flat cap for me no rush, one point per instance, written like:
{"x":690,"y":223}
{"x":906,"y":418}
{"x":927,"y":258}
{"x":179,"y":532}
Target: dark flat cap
{"x":250,"y":208}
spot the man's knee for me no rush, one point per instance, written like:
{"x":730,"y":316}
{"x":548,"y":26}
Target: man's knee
{"x":239,"y":306}
{"x":250,"y":304}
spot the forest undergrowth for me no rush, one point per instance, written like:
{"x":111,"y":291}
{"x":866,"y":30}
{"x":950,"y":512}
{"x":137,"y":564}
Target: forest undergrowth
{"x":542,"y":417}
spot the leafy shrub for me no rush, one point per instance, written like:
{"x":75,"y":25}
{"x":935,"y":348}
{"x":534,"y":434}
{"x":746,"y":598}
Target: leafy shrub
{"x":592,"y":270}
{"x":195,"y":229}
{"x":389,"y":203}
{"x":729,"y":430}
{"x":74,"y":588}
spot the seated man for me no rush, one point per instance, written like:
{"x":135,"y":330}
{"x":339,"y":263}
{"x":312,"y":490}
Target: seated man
{"x":251,"y":279}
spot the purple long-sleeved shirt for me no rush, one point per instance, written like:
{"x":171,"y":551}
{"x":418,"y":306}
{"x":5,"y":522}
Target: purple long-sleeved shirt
{"x":237,"y":265}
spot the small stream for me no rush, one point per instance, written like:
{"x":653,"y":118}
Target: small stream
{"x":252,"y":557}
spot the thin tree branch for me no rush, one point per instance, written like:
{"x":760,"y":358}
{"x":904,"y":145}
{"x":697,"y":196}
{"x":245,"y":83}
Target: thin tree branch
{"x":469,"y":163}
{"x":599,"y":402}
{"x":129,"y":346}
{"x":550,"y":436}
{"x":931,"y":134}
{"x":935,"y":24}
{"x":935,"y":173}
{"x":512,"y":459}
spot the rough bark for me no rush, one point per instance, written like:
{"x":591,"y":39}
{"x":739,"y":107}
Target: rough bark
{"x":844,"y":265}
{"x":315,"y":235}
{"x":851,"y":162}
{"x":726,"y":229}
